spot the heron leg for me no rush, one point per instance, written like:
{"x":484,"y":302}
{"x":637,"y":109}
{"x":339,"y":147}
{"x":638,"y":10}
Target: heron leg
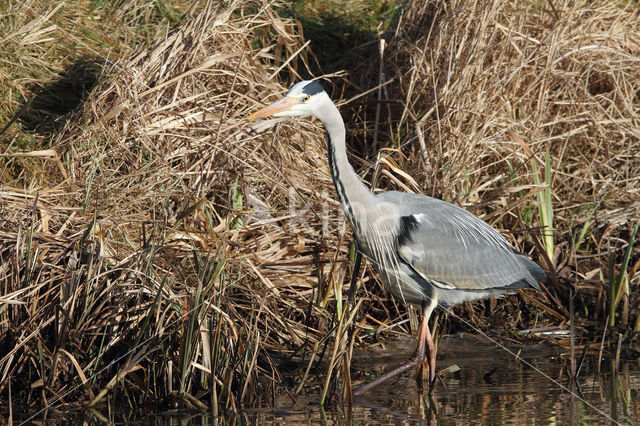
{"x":431,"y":355}
{"x":431,"y":349}
{"x":424,"y":339}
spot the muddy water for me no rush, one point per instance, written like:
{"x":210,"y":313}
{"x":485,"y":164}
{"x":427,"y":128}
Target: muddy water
{"x":491,"y":387}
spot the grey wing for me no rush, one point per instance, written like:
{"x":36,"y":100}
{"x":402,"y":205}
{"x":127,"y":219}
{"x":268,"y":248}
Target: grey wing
{"x":452,"y":248}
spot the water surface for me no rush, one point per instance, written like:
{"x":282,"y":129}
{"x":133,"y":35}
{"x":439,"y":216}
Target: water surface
{"x":491,"y":387}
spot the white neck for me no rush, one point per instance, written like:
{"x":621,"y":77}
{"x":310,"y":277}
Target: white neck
{"x":354,"y":196}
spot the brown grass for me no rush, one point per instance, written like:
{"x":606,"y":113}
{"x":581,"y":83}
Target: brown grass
{"x":564,"y":79}
{"x":166,"y":236}
{"x":477,"y":91}
{"x":163,"y":246}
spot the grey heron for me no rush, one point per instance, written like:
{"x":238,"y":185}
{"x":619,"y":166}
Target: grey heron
{"x":428,"y":252}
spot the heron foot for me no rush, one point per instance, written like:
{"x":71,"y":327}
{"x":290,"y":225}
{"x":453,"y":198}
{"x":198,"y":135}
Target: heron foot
{"x":426,"y":374}
{"x":424,"y":340}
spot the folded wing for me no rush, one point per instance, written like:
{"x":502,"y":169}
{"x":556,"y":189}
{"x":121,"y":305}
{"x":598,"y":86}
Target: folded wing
{"x":454,"y":249}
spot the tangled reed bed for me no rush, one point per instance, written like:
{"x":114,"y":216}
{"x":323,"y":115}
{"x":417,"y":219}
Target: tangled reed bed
{"x":563,"y":79}
{"x":475,"y":92}
{"x":171,"y":249}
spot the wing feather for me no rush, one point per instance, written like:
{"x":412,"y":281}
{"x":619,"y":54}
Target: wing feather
{"x":452,"y":248}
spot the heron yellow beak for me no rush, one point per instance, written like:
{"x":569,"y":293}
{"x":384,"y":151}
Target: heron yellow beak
{"x":280,"y":105}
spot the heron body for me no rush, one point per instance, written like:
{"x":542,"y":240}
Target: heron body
{"x":428,"y":252}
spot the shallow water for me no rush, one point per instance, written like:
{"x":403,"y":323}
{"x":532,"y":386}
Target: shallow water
{"x":491,"y":387}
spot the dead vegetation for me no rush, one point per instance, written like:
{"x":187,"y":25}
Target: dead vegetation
{"x":165,"y":241}
{"x":162,"y":246}
{"x":476,"y":93}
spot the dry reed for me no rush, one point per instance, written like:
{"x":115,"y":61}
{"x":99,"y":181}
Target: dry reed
{"x":179,"y":245}
{"x":171,"y":249}
{"x":475,"y":92}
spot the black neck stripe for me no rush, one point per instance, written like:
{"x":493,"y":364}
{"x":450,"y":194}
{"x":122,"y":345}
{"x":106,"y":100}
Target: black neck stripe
{"x":340,"y":190}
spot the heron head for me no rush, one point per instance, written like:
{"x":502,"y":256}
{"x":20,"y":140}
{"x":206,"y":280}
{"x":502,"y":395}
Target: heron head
{"x":303,"y":99}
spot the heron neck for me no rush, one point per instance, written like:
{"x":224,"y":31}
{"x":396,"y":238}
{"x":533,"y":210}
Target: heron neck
{"x":354,"y":196}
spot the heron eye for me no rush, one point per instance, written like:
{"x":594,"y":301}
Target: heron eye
{"x":306,"y":98}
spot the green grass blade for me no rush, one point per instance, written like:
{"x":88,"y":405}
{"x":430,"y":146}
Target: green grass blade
{"x":545,"y":204}
{"x":586,"y":225}
{"x":618,"y":281}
